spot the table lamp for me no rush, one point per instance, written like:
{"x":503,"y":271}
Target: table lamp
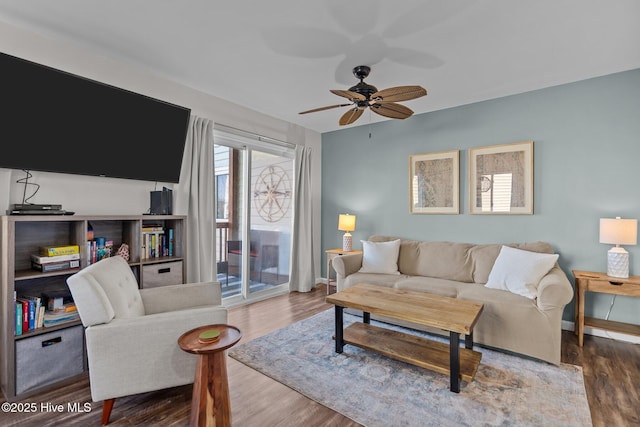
{"x":347,"y":223}
{"x":618,"y":231}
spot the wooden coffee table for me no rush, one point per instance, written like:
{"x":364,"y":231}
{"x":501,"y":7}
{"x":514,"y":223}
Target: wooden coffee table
{"x":449,"y":314}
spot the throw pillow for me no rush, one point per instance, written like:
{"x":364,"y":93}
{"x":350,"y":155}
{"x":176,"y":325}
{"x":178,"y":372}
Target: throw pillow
{"x":519,"y":271}
{"x":380,"y":257}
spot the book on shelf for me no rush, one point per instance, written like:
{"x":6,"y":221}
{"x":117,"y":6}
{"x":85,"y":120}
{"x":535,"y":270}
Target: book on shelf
{"x":30,"y":310}
{"x":59,"y":250}
{"x":39,"y":259}
{"x":18,"y":318}
{"x":152,"y":228}
{"x":151,"y":243}
{"x":56,"y":266}
{"x":31,"y":313}
{"x":38,"y":311}
{"x":52,"y":318}
{"x":24,"y":319}
{"x":41,"y":316}
{"x":157,"y":244}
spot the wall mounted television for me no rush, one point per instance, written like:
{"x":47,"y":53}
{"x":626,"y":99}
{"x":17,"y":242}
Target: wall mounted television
{"x":55,"y":121}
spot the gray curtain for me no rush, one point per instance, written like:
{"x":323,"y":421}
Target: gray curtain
{"x":194,"y":197}
{"x":302,"y":274}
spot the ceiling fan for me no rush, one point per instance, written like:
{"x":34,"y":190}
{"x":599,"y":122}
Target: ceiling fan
{"x":383,"y":102}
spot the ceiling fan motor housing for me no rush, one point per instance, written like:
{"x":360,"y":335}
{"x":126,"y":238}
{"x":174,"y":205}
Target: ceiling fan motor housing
{"x":361,"y":72}
{"x":365,"y":90}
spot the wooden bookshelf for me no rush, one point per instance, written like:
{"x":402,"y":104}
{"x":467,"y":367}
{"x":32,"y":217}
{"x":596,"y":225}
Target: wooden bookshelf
{"x":22,"y":236}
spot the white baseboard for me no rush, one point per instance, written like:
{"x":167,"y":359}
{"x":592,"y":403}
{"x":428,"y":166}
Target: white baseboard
{"x":570,"y":326}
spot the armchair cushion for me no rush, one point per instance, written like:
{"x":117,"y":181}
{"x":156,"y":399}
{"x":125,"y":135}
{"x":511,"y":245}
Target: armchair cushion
{"x":91,"y":300}
{"x":114,"y":276}
{"x":180,"y":297}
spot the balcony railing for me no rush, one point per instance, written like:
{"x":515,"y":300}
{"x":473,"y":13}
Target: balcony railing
{"x":222,"y":236}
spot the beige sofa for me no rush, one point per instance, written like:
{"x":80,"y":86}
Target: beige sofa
{"x":512,"y":322}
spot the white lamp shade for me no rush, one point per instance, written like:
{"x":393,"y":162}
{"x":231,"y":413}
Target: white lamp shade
{"x":619,"y":231}
{"x":346,"y":222}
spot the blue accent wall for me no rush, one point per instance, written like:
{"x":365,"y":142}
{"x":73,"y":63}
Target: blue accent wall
{"x":586,"y":167}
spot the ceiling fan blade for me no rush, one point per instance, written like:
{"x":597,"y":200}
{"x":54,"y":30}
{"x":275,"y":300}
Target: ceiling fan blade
{"x":354,"y":96}
{"x":392,"y":110}
{"x":323,"y":108}
{"x":398,"y":93}
{"x":351,"y":116}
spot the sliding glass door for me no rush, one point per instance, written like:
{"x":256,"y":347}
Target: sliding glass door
{"x":254,"y":191}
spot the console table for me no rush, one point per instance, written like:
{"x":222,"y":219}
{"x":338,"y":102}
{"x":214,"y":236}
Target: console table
{"x":589,"y":281}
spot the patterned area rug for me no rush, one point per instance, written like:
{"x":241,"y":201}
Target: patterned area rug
{"x":376,"y":391}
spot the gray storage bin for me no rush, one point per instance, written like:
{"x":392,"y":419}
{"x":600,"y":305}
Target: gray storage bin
{"x":163,"y":274}
{"x":47,"y":358}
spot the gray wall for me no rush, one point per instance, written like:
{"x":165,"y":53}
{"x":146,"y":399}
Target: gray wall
{"x":586,"y":150}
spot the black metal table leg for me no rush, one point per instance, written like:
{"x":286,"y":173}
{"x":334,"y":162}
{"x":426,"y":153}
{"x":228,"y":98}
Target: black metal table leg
{"x":468,"y":341}
{"x":454,"y":361}
{"x":366,"y":317}
{"x":339,"y":330}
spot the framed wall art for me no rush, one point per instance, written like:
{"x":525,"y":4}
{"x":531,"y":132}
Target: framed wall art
{"x":501,"y":179}
{"x":434,"y":183}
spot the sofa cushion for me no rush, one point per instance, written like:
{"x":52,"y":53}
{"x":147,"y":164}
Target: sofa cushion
{"x":442,"y":260}
{"x":431,"y":285}
{"x":387,"y":280}
{"x":520,"y":271}
{"x":380,"y":257}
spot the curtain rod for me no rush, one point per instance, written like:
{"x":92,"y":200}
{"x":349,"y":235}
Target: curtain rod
{"x":259,"y":137}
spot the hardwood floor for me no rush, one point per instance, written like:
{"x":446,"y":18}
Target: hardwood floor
{"x":611,"y":371}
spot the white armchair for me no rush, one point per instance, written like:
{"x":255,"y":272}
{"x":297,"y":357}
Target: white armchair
{"x":132,"y":334}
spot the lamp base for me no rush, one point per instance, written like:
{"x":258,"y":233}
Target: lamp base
{"x":618,"y":263}
{"x":347,"y":242}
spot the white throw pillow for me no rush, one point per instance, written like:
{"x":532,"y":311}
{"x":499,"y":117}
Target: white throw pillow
{"x":380,"y":257}
{"x":520,"y":271}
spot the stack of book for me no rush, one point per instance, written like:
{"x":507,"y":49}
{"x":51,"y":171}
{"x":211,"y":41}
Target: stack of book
{"x":55,"y":258}
{"x":67,"y":313}
{"x":60,"y":308}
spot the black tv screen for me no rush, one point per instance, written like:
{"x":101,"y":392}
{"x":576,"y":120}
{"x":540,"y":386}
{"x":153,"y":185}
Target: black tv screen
{"x":55,"y":121}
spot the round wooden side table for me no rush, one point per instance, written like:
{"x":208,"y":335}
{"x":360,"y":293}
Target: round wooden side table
{"x":210,"y":404}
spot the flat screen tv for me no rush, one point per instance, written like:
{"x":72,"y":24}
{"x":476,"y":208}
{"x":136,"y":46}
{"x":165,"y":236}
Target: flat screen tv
{"x":54,"y":121}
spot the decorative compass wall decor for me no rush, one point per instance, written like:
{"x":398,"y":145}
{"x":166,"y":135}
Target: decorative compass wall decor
{"x":272,"y":193}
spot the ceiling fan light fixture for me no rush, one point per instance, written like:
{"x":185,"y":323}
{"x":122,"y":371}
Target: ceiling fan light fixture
{"x":383,"y":102}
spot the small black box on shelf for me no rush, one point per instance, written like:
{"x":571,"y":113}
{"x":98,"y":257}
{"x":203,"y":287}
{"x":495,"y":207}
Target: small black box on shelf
{"x":161,"y":202}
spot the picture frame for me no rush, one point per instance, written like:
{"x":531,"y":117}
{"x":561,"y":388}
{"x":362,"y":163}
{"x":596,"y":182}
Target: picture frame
{"x":501,"y":179}
{"x":434,"y":183}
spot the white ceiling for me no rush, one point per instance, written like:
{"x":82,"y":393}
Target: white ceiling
{"x":281,"y":57}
